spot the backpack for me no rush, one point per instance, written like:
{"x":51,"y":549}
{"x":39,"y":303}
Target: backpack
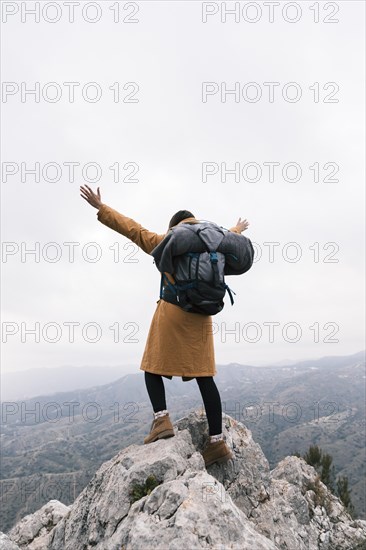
{"x":199,"y":276}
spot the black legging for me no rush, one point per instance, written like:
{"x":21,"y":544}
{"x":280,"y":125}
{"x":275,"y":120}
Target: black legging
{"x":209,"y":392}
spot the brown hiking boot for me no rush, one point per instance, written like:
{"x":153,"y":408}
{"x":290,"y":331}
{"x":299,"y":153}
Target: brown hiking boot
{"x":161,"y":428}
{"x":217,"y":451}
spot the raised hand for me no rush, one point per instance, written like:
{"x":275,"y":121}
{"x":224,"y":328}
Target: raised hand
{"x":90,"y":197}
{"x":242,"y":225}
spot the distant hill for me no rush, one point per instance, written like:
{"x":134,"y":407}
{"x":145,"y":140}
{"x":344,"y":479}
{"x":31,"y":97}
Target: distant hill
{"x":45,"y":381}
{"x":52,"y":445}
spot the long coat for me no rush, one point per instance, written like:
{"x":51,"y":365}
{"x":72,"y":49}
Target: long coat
{"x":179,"y":343}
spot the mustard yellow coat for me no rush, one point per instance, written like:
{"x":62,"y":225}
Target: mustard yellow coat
{"x":178,"y":343}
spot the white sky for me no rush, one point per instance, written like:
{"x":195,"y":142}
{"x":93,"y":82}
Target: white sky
{"x":169,"y":133}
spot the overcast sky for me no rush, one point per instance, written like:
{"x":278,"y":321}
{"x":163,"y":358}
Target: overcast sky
{"x":161,"y":132}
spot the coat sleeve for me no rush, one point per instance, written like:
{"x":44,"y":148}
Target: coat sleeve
{"x":146,"y":240}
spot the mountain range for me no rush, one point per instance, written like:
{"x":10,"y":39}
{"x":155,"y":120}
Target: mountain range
{"x":52,"y":445}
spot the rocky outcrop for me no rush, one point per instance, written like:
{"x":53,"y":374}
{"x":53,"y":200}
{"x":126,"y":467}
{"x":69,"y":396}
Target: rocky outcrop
{"x":302,"y":514}
{"x":6,"y":543}
{"x":161,"y":496}
{"x":31,"y":532}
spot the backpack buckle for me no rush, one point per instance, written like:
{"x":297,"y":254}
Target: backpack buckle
{"x":213,"y":257}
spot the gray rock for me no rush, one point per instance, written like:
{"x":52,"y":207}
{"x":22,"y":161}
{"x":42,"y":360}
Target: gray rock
{"x":190,"y":508}
{"x":247,"y":477}
{"x":6,"y":543}
{"x":296,"y":517}
{"x":240,"y":504}
{"x":31,"y":532}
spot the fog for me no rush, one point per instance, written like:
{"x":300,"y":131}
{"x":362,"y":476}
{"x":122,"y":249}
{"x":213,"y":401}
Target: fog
{"x":174,"y":118}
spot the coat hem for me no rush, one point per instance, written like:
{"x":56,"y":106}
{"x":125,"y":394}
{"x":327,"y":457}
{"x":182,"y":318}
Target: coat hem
{"x":183,"y":376}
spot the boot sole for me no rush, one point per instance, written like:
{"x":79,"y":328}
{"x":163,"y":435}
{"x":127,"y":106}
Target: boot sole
{"x":162,"y":435}
{"x":220,"y":460}
{"x":166,"y":433}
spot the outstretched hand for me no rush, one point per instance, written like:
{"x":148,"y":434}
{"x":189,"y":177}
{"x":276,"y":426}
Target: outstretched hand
{"x":90,"y":197}
{"x":242,"y":225}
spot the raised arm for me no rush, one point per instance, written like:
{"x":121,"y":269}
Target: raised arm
{"x":146,"y":240}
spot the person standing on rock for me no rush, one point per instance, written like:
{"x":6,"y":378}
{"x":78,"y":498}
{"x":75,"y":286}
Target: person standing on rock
{"x":179,"y":343}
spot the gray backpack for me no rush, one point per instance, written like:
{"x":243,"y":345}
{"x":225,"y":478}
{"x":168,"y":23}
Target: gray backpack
{"x":199,"y":276}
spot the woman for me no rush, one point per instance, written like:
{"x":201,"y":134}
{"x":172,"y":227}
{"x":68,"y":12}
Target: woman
{"x":179,"y":343}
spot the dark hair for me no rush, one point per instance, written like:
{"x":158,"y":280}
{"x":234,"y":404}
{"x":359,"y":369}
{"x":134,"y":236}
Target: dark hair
{"x":179,"y":216}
